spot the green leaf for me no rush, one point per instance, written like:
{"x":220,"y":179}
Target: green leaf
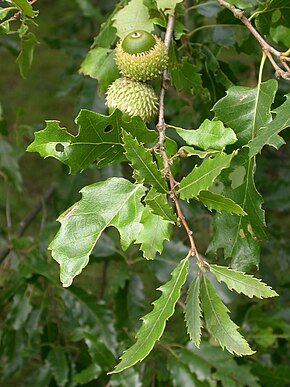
{"x":168,"y":6}
{"x":98,"y":351}
{"x":265,"y":134}
{"x":25,"y":7}
{"x":246,"y":110}
{"x":100,"y":64}
{"x":92,"y":372}
{"x":134,"y":16}
{"x":210,"y":135}
{"x":240,"y":236}
{"x":154,"y":231}
{"x":160,"y":206}
{"x":98,"y":140}
{"x":107,"y":34}
{"x":185,"y":77}
{"x":141,"y":160}
{"x":193,"y":312}
{"x":154,"y":322}
{"x":25,"y":57}
{"x":187,"y":151}
{"x":59,"y":365}
{"x":220,"y":203}
{"x":242,"y":283}
{"x":114,"y":202}
{"x":218,"y":322}
{"x":202,"y":177}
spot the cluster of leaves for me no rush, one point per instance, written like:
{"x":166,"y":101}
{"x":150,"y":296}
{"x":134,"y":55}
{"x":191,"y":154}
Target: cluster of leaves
{"x":16,"y":17}
{"x":74,"y":338}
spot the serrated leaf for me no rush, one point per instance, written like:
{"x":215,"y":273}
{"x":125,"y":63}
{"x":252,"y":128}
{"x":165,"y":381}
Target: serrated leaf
{"x":265,"y":135}
{"x":59,"y":365}
{"x":187,"y":151}
{"x":154,"y":322}
{"x":100,"y":64}
{"x":193,"y":312}
{"x":168,"y":6}
{"x":98,"y":140}
{"x":114,"y":202}
{"x":218,"y":322}
{"x":160,"y":206}
{"x":210,"y":135}
{"x":141,"y":160}
{"x":153,"y":232}
{"x":134,"y":16}
{"x":185,"y":77}
{"x":202,"y":177}
{"x":25,"y":57}
{"x":242,"y":283}
{"x":214,"y":201}
{"x":246,"y":110}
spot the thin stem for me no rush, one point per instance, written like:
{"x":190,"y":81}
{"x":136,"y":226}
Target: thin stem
{"x":161,"y":127}
{"x":266,"y":47}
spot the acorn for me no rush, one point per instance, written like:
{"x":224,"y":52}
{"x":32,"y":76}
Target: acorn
{"x":132,"y":97}
{"x":141,"y":56}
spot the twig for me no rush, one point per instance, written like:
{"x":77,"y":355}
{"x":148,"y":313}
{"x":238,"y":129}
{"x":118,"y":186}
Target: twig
{"x":161,"y":127}
{"x":27,"y":220}
{"x":266,"y":47}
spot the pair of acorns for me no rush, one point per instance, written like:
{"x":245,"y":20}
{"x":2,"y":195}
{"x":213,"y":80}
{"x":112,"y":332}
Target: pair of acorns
{"x":140,"y":57}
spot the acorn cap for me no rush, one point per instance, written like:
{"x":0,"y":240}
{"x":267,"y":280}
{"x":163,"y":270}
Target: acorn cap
{"x":132,"y":97}
{"x":141,"y":56}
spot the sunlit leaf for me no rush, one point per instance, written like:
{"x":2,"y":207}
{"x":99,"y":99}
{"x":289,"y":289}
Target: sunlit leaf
{"x":210,"y":135}
{"x":218,"y":322}
{"x":154,"y":322}
{"x":134,"y":16}
{"x":168,"y":6}
{"x":84,"y":222}
{"x":242,"y":283}
{"x":160,"y":206}
{"x":141,"y":161}
{"x":202,"y":177}
{"x":193,"y":312}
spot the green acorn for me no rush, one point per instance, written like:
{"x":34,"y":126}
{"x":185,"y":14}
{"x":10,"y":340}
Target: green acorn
{"x":141,"y":56}
{"x":132,"y":97}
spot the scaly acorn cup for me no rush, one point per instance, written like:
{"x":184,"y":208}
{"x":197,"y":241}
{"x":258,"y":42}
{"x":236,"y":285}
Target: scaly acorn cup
{"x":132,"y":97}
{"x":141,"y":56}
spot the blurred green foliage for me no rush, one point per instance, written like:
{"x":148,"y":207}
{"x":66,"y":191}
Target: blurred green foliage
{"x":51,"y":336}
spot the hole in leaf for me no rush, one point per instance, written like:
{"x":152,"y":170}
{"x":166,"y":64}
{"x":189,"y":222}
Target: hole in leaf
{"x":108,"y":129}
{"x":59,"y":147}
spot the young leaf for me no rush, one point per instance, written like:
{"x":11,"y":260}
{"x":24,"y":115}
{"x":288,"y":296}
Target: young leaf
{"x":25,"y":57}
{"x":219,"y":203}
{"x":98,"y":140}
{"x":25,"y":7}
{"x":202,"y":177}
{"x":265,"y":135}
{"x":242,"y":283}
{"x":114,"y":202}
{"x":159,"y":205}
{"x":154,"y":231}
{"x":100,"y":64}
{"x":218,"y":322}
{"x":210,"y":135}
{"x":134,"y":16}
{"x":193,"y":312}
{"x":141,"y":160}
{"x":187,"y":151}
{"x":154,"y":322}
